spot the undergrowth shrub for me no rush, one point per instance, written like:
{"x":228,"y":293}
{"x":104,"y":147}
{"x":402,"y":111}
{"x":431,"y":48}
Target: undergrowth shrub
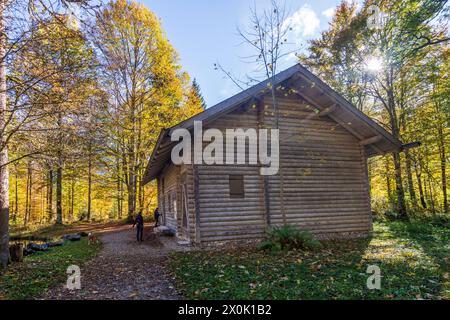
{"x":441,"y":220}
{"x":289,"y":237}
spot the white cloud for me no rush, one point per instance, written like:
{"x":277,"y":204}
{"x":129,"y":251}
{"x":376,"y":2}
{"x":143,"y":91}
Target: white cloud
{"x":329,"y":12}
{"x":304,"y":22}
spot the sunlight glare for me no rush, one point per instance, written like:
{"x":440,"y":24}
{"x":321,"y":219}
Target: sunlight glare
{"x":374,"y":64}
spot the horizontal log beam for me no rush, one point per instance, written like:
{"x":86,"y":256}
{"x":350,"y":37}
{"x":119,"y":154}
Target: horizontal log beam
{"x":370,"y":141}
{"x":411,"y":145}
{"x":343,"y":124}
{"x":328,"y":110}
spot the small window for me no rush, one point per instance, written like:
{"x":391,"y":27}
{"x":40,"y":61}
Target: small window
{"x":237,"y":186}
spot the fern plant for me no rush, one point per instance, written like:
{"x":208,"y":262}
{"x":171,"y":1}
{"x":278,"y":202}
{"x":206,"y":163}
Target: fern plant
{"x":289,"y":237}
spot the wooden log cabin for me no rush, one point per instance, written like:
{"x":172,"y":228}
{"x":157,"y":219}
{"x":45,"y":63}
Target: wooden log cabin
{"x":322,"y":183}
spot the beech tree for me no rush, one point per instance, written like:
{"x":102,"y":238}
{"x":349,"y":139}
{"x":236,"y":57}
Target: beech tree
{"x":375,"y":67}
{"x":141,"y":72}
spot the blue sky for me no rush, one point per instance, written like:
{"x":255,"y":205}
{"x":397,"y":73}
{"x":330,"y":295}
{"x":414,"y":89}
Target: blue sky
{"x":204,"y":32}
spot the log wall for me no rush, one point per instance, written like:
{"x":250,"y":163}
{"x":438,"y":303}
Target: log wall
{"x":325,"y":186}
{"x":168,"y":185}
{"x":322,"y":184}
{"x":222,"y":217}
{"x":170,"y":181}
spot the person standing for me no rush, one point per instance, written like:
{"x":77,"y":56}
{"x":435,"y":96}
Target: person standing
{"x":157,"y":215}
{"x":139,"y":223}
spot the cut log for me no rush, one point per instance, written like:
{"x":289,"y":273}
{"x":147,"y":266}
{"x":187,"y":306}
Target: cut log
{"x":16,"y":252}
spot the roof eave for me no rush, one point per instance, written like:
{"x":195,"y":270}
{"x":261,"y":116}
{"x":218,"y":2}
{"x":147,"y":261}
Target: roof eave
{"x":148,"y":175}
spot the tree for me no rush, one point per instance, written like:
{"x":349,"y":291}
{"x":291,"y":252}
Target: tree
{"x":334,"y":56}
{"x":267,"y":37}
{"x":373,"y":67}
{"x":17,"y":28}
{"x":68,"y":60}
{"x":140,"y":71}
{"x":196,"y":95}
{"x":4,"y":174}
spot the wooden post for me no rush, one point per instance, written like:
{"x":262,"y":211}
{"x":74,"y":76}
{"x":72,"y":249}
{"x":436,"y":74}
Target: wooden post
{"x":367,"y":185}
{"x":263,"y":180}
{"x":281,"y":175}
{"x":179,"y":201}
{"x":198,"y":238}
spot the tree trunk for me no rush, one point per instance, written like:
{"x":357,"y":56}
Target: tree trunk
{"x":444,"y":184}
{"x":443,"y":158}
{"x":59,"y":214}
{"x":50,"y":195}
{"x":72,"y":200}
{"x":89,"y":185}
{"x":42,"y":216}
{"x":59,"y":170}
{"x":141,"y":187}
{"x":16,"y":191}
{"x":138,"y":167}
{"x":401,"y":207}
{"x":419,"y":183}
{"x":131,"y":179}
{"x":29,"y":194}
{"x":139,"y":202}
{"x":131,"y":198}
{"x":433,"y":207}
{"x":412,"y":192}
{"x":119,"y":189}
{"x":4,"y":174}
{"x":27,"y":200}
{"x":388,"y":182}
{"x":30,"y":190}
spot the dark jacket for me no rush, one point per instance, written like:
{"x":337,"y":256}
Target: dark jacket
{"x":157,"y":214}
{"x":139,"y":221}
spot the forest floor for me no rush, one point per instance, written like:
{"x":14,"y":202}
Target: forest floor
{"x":125,"y":269}
{"x":42,"y":270}
{"x":413,"y":259}
{"x":116,"y":269}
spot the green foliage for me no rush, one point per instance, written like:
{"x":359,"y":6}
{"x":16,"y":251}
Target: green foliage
{"x":441,"y":221}
{"x":289,"y":237}
{"x":391,"y":215}
{"x":413,"y":265}
{"x":196,"y":96}
{"x":93,"y":96}
{"x":44,"y":270}
{"x":408,"y":94}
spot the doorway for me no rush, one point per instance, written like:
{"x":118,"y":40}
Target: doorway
{"x":184,"y":209}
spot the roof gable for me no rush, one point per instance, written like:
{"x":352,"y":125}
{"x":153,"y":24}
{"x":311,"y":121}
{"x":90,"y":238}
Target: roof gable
{"x":309,"y":88}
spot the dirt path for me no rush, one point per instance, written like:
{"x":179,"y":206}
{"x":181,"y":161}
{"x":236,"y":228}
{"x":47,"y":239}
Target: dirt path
{"x":125,"y":269}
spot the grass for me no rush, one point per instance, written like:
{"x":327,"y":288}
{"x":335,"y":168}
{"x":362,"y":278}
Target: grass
{"x":413,"y":258}
{"x":44,"y":270}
